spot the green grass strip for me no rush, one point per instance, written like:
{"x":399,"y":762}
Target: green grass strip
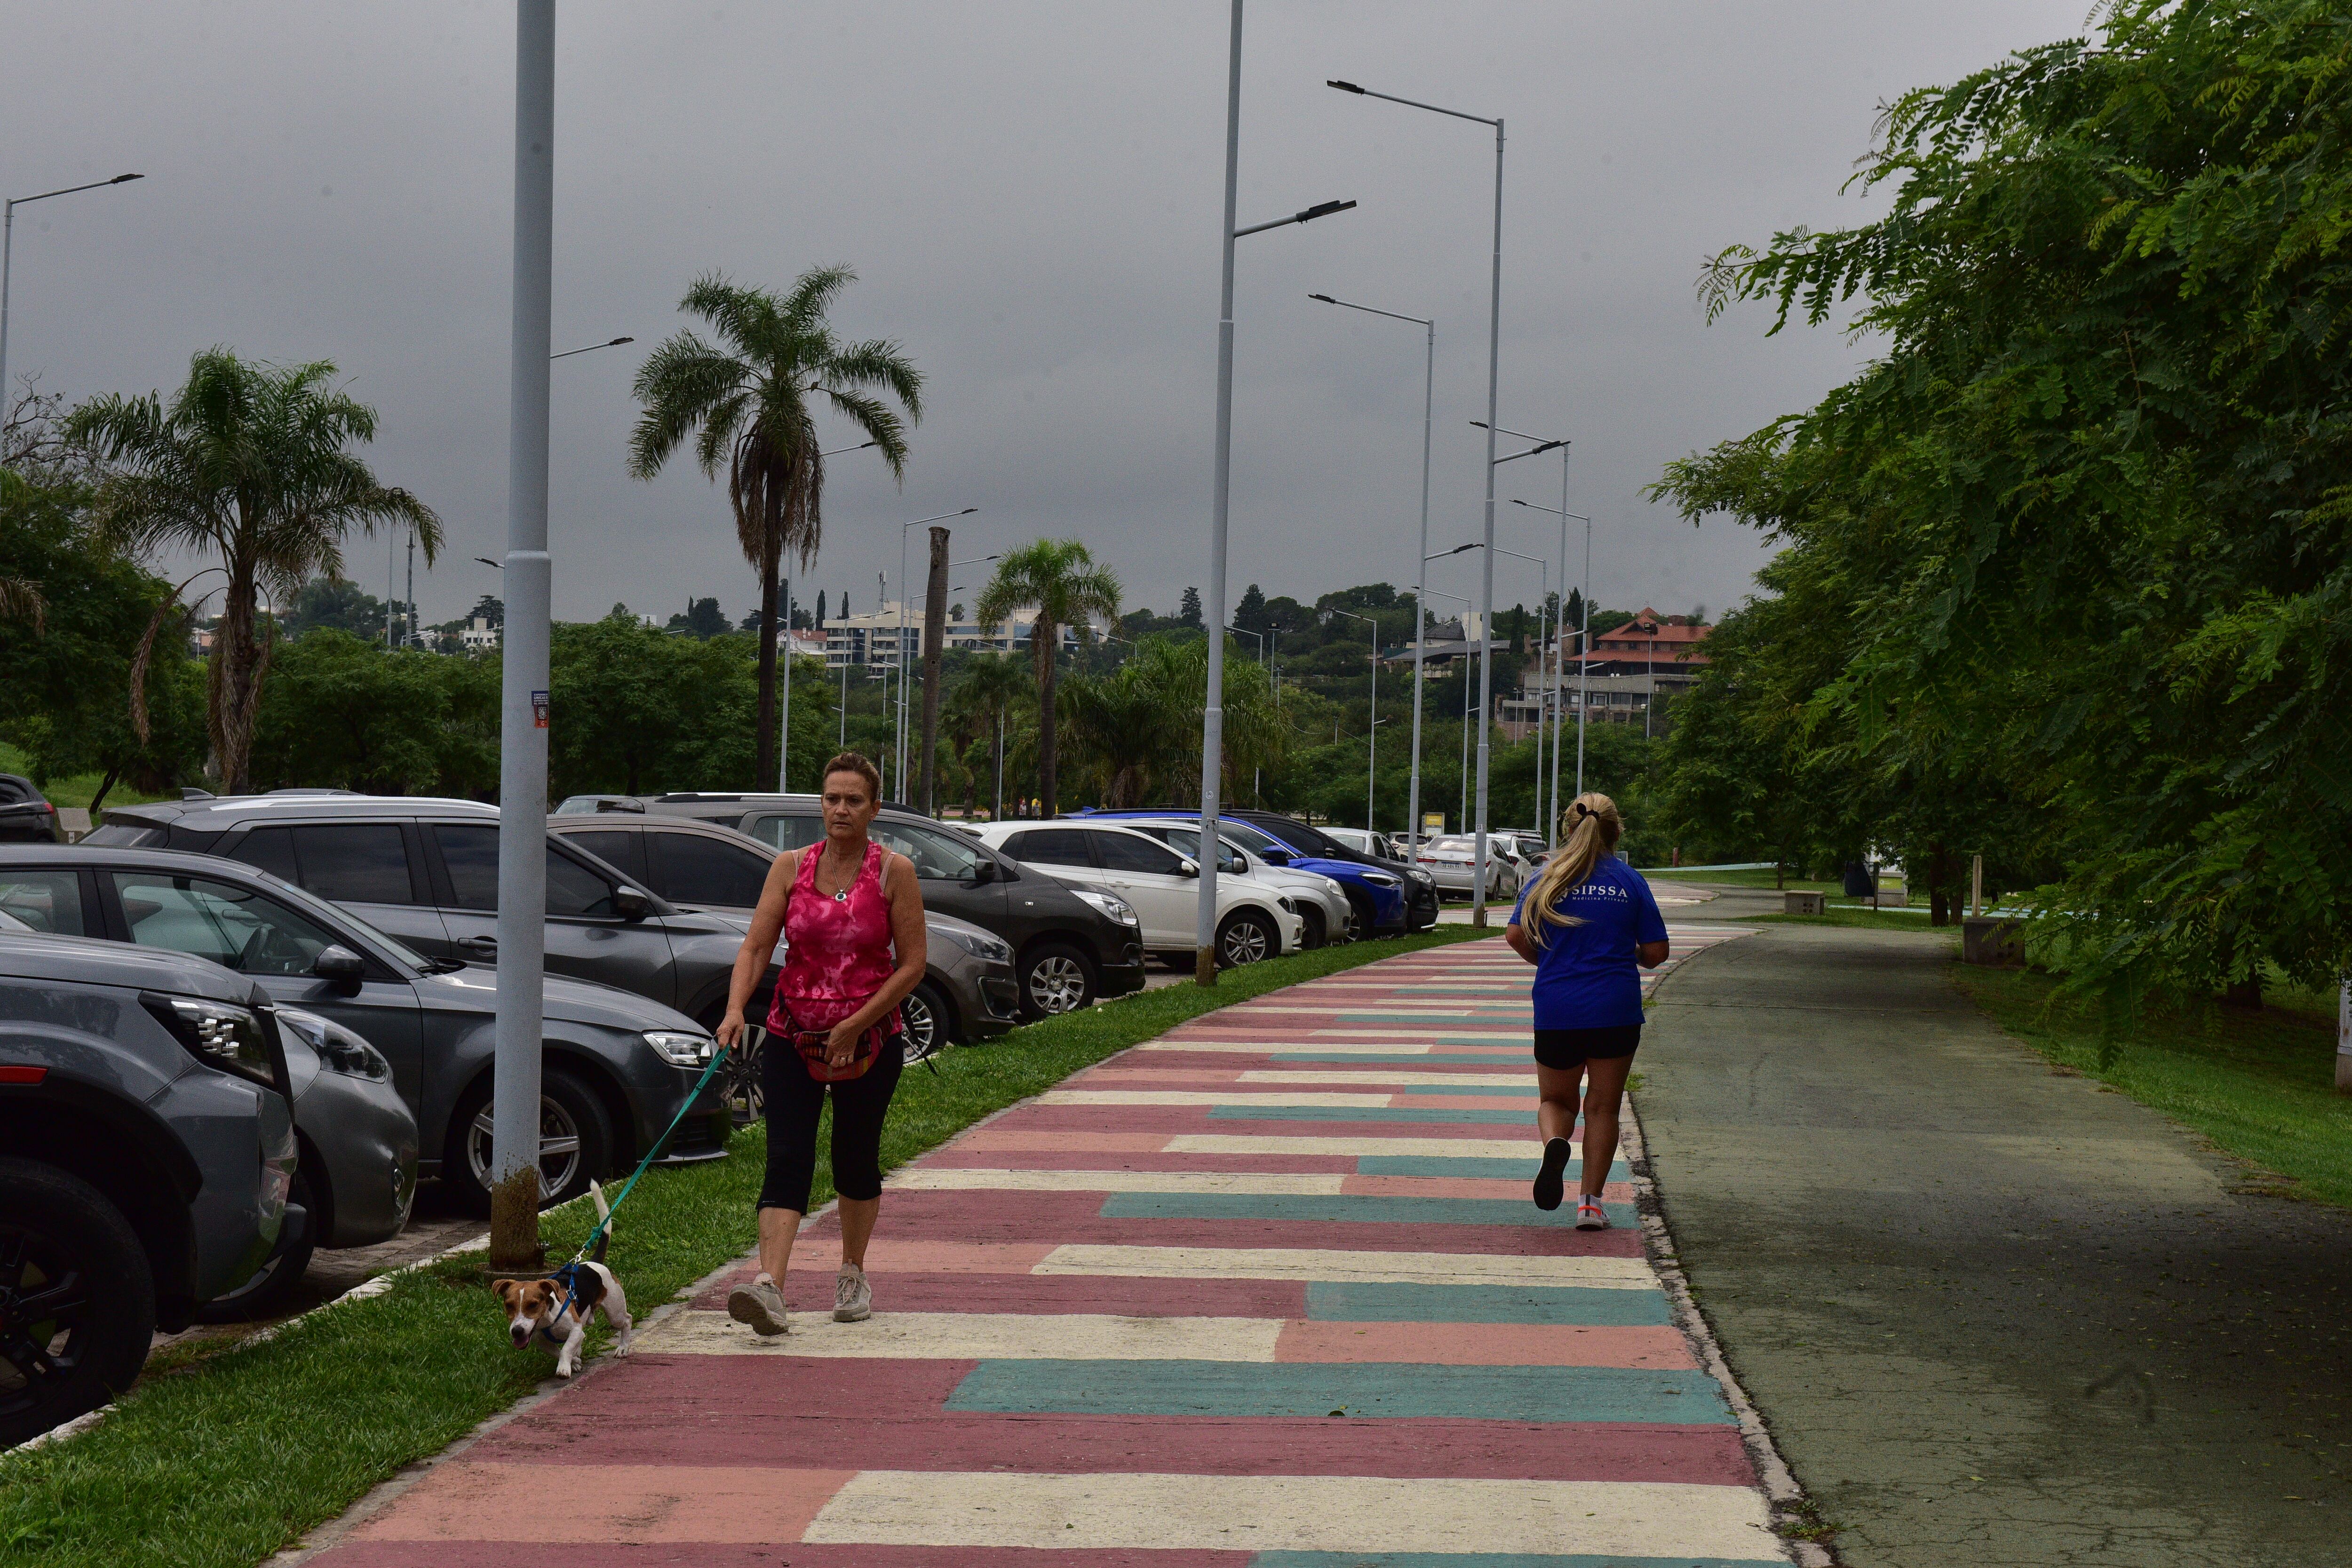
{"x":222,"y":1464}
{"x":2262,"y":1086}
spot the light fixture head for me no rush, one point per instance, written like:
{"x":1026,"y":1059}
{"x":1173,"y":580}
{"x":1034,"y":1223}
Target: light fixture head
{"x":125,"y":179}
{"x":1323,"y":209}
{"x":1324,"y":298}
{"x":616,"y":343}
{"x":1344,"y":86}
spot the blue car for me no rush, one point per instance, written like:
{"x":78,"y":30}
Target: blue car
{"x":1377,"y":901}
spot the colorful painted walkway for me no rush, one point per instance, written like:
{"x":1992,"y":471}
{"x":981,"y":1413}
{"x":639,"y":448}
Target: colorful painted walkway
{"x":1266,"y":1291}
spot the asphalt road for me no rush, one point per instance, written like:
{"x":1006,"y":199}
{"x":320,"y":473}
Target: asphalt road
{"x":1993,"y":1314}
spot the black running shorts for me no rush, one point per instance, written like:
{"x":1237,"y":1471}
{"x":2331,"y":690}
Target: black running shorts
{"x":1565,"y":1050}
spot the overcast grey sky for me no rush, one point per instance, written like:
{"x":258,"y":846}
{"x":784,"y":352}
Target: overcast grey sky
{"x":1030,"y":194}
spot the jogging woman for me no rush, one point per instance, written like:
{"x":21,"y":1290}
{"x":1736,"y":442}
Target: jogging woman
{"x":852,"y":917}
{"x":1592,"y":920}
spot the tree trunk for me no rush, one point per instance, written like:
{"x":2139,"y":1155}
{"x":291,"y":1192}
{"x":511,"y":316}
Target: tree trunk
{"x":764,"y":766}
{"x":2246,"y":994}
{"x":1046,"y":737}
{"x":935,"y":626}
{"x":236,"y":683}
{"x":1940,"y":909}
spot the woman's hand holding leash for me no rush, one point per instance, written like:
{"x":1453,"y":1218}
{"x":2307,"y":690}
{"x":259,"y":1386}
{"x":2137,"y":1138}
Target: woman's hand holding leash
{"x":729,"y":1033}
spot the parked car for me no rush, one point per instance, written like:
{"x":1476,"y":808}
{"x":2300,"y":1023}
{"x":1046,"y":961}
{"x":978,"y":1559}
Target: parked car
{"x":1378,"y":895}
{"x":1363,"y":841}
{"x":26,"y":816}
{"x":356,"y":1175}
{"x":1070,"y":945}
{"x":1526,"y":850}
{"x":1453,"y":859}
{"x":1255,"y":921}
{"x":426,"y":872}
{"x":1323,"y":909}
{"x":617,"y":1067}
{"x":146,"y":1152}
{"x":1419,"y":889}
{"x":968,"y":992}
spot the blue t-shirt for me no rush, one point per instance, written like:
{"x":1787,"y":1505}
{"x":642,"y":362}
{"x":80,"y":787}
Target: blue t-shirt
{"x":1587,"y":976}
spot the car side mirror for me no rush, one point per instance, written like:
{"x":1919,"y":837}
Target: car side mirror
{"x":631,"y":903}
{"x":1276,"y":856}
{"x":983,"y":871}
{"x":339,"y":967}
{"x":1188,"y":868}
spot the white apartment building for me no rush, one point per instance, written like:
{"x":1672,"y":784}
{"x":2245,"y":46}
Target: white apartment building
{"x":874,"y":640}
{"x":478,"y":635}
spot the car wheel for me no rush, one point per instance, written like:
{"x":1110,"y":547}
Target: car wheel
{"x":77,"y":1301}
{"x":1310,"y":928}
{"x":575,"y":1140}
{"x":1359,"y":917}
{"x":925,"y":1014}
{"x":1057,"y":978}
{"x":268,"y":1291}
{"x":738,"y":1080}
{"x":1247,"y":937}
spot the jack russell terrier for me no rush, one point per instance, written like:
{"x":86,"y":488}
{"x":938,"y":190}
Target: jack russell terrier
{"x":555,"y":1311}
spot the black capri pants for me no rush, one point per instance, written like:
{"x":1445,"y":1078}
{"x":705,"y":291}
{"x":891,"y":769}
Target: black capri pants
{"x":794,"y":1100}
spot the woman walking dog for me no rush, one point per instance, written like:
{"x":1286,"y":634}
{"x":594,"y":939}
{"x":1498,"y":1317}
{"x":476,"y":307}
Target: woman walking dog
{"x":851,"y":914}
{"x":1593,"y":921}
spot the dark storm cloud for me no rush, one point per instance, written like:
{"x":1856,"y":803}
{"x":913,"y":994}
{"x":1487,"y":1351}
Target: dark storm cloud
{"x":1030,"y":194}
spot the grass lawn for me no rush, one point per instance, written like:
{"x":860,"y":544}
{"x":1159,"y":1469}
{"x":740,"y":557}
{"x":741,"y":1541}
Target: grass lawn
{"x":1739,"y":879}
{"x":227,"y":1461}
{"x":2262,"y":1086}
{"x":74,"y":791}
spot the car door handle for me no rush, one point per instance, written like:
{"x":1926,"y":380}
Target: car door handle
{"x":479,"y":943}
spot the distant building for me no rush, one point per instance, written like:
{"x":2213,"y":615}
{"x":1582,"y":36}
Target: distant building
{"x":1632,"y":670}
{"x":478,"y":635}
{"x":873,"y":640}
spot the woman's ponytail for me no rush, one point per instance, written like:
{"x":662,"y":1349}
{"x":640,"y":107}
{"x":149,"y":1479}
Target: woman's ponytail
{"x":1590,"y":827}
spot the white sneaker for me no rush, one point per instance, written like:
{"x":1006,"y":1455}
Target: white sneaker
{"x":1589,"y":1214}
{"x":761,"y":1305}
{"x":853,"y":1297}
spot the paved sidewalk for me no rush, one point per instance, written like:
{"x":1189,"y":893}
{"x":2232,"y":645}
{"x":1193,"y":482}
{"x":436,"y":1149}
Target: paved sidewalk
{"x":1268,"y":1290}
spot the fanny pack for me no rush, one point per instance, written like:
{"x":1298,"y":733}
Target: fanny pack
{"x":811,"y":1044}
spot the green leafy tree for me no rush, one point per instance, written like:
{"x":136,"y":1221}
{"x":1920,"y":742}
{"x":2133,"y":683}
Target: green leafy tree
{"x":344,"y":713}
{"x":1059,"y":581}
{"x":251,"y":463}
{"x":334,"y":602}
{"x":745,"y":400}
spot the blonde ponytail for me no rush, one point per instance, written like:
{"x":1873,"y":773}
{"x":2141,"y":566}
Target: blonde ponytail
{"x":1592,"y":827}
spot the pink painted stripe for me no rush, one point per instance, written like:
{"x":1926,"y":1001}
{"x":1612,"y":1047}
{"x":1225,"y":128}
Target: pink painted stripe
{"x":998,"y":1136}
{"x":810,"y":1287}
{"x":722,"y":1554}
{"x":475,"y":1500}
{"x":1660,"y":1348}
{"x":1168,"y":1120}
{"x":1461,"y":1187}
{"x":976,"y":1220}
{"x":958,"y":1158}
{"x":887,"y":1415}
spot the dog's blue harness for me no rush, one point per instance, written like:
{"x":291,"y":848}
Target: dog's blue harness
{"x":566,"y":1279}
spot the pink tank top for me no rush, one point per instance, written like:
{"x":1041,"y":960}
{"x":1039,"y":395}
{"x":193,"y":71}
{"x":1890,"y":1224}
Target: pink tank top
{"x":837,"y":948}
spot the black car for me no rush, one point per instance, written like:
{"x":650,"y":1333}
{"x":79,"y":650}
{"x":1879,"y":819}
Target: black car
{"x":618,"y":1067}
{"x":1421,"y":887}
{"x":1070,"y":946}
{"x":26,"y":815}
{"x":146,"y":1154}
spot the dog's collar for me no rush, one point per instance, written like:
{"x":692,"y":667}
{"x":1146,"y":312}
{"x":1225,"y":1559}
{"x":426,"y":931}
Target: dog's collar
{"x":567,"y":1279}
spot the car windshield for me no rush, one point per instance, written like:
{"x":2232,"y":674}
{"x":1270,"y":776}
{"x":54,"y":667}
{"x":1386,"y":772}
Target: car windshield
{"x":1248,"y":837}
{"x":335,"y":914}
{"x":1187,"y":841}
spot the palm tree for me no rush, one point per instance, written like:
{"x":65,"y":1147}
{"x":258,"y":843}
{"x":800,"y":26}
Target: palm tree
{"x":1060,"y":579}
{"x":247,"y":462}
{"x":745,"y":401}
{"x":985,"y":693}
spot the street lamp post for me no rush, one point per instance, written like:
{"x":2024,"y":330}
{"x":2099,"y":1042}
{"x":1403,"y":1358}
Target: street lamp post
{"x":784,"y":719}
{"x":1464,"y":821}
{"x":1545,"y":568}
{"x":1493,"y":360}
{"x":1583,"y":640}
{"x":1542,"y":445}
{"x":523,"y":729}
{"x":1369,"y":774}
{"x":1428,"y":393}
{"x":591,"y":348}
{"x":7,"y":257}
{"x":1212,"y":710}
{"x":898,"y":739}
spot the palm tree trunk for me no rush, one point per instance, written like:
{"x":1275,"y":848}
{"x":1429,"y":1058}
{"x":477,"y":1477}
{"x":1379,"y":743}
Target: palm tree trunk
{"x":234,"y":682}
{"x":764,"y":768}
{"x":1045,"y":637}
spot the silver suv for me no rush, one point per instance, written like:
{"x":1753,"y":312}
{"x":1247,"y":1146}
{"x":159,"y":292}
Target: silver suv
{"x":147,"y":1154}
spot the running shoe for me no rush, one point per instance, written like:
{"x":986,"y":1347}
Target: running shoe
{"x":1549,"y":1186}
{"x":853,"y":1297}
{"x":761,"y":1305}
{"x":1589,"y":1214}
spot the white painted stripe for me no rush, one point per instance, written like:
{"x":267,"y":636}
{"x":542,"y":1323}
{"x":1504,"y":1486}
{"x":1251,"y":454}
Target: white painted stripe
{"x":1350,"y":1267}
{"x":939,"y":1179}
{"x":1261,"y":1048}
{"x":975,"y":1336}
{"x":1378,"y":1075}
{"x":951,"y":1510}
{"x":1361,"y":1148}
{"x":1516,"y":1036}
{"x":1189,"y":1097}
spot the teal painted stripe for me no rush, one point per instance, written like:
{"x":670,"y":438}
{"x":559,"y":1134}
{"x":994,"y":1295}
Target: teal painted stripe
{"x":1438,"y":1165}
{"x":1493,"y":1560}
{"x":1342,"y":1303}
{"x":1349,"y":1210}
{"x":1238,"y":1389}
{"x":1344,"y":1113}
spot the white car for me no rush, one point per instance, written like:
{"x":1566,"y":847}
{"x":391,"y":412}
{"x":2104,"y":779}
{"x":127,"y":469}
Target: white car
{"x":1322,"y":903}
{"x":1256,"y":921}
{"x":1453,"y":857}
{"x":1365,"y":842}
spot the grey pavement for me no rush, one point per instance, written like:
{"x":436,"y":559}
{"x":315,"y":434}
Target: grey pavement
{"x":1993,"y":1314}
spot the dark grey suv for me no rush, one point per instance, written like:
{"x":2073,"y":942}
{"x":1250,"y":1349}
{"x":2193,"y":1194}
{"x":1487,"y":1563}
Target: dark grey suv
{"x":146,"y":1156}
{"x":1070,"y":947}
{"x":617,"y":1067}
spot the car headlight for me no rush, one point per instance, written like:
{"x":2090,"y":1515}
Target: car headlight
{"x":1422,"y":879}
{"x":1111,"y":904}
{"x":340,"y":1050}
{"x":1288,"y":907}
{"x":680,"y":1050}
{"x":980,"y":944}
{"x":218,"y":1034}
{"x":1379,"y":879}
